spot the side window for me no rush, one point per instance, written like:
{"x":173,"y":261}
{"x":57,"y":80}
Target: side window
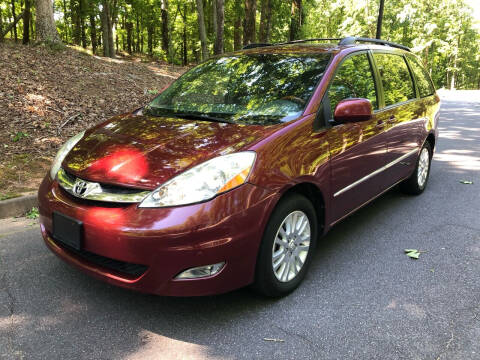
{"x":396,"y":80}
{"x":425,"y":87}
{"x":354,"y":79}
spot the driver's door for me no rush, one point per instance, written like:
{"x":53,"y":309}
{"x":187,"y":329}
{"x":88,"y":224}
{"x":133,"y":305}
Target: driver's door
{"x":357,"y":150}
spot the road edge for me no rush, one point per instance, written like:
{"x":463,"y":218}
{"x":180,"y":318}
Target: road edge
{"x":17,"y":206}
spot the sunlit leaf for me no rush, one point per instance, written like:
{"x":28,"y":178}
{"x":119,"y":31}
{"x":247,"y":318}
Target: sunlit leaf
{"x":412,"y":253}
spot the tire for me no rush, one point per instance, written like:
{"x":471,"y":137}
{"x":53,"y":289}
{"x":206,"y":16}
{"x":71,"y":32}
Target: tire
{"x":294,"y":208}
{"x":417,"y":182}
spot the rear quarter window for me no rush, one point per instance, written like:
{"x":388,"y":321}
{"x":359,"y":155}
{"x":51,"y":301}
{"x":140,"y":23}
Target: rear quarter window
{"x":424,"y":84}
{"x":396,"y":79}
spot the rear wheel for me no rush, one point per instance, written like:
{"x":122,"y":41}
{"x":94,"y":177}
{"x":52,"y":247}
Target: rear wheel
{"x":417,"y":182}
{"x":287,"y":246}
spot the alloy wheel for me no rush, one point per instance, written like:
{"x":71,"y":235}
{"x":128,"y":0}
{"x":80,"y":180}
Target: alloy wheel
{"x":423,"y":165}
{"x":291,"y":246}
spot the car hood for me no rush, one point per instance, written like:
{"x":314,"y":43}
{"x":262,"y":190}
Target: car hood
{"x":144,"y":152}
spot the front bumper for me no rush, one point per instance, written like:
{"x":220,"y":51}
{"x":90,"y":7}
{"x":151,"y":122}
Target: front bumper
{"x":163,"y":241}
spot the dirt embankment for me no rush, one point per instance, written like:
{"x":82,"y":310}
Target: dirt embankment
{"x":49,"y":95}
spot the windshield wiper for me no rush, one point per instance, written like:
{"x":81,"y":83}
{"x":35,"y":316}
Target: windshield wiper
{"x":203,"y":117}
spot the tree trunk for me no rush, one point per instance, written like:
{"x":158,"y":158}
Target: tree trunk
{"x":296,"y":19}
{"x":93,"y":28}
{"x":111,"y":44}
{"x":237,"y":34}
{"x":265,"y":21}
{"x":65,"y":20}
{"x":129,"y":27}
{"x":201,"y":29}
{"x":26,"y":23}
{"x":1,"y":27}
{"x":137,"y":30}
{"x":454,"y":69}
{"x":104,"y":19}
{"x":250,"y":15}
{"x":46,"y":30}
{"x":107,"y":32}
{"x":214,"y":18}
{"x":83,"y":11}
{"x":165,"y":37}
{"x":150,"y":31}
{"x":15,"y":25}
{"x":220,"y":16}
{"x":77,"y":28}
{"x":184,"y":47}
{"x":32,"y":26}
{"x":379,"y":20}
{"x":237,"y":25}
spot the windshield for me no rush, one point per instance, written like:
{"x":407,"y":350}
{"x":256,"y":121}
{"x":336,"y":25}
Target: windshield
{"x":260,"y":89}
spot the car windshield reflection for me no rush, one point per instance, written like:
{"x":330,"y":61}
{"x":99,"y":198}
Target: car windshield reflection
{"x":260,"y":89}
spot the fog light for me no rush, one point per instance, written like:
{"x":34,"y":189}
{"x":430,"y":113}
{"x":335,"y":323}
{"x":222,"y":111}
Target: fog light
{"x":200,"y":271}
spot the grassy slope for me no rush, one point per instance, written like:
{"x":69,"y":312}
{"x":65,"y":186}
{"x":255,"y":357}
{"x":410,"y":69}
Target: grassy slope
{"x":40,"y":89}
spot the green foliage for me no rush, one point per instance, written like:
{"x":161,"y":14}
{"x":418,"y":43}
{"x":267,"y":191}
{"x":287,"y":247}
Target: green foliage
{"x":18,"y":136}
{"x":33,"y":213}
{"x":440,"y":32}
{"x":443,"y":33}
{"x":8,"y":196}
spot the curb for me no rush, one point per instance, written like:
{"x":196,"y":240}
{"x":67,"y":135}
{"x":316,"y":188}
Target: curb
{"x":17,"y":206}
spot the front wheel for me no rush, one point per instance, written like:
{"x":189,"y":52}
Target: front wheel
{"x":417,"y":182}
{"x":287,"y":246}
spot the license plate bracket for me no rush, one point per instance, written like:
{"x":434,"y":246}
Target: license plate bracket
{"x":67,"y":230}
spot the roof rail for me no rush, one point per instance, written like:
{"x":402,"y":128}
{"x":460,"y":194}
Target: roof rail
{"x":307,"y":40}
{"x":353,"y":39}
{"x":349,"y":40}
{"x":256,"y":45}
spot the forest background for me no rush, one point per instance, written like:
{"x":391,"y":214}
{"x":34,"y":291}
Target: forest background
{"x":444,"y":33}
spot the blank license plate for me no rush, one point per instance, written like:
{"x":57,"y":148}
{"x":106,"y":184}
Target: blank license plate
{"x":67,"y":230}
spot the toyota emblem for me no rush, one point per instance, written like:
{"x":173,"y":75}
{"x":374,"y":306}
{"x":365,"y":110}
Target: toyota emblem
{"x":80,"y":188}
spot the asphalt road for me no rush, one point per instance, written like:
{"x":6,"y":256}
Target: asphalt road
{"x":363,"y":298}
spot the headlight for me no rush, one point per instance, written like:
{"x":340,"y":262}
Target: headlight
{"x":203,"y":181}
{"x":64,"y":150}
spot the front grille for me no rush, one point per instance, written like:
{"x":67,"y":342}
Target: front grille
{"x":114,"y":189}
{"x":84,"y":189}
{"x":134,"y":270}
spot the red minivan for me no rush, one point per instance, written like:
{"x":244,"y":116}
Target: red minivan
{"x":230,"y":175}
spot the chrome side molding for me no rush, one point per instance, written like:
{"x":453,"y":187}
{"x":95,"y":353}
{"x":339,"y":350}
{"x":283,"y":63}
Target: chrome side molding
{"x":378,"y":171}
{"x":89,"y":190}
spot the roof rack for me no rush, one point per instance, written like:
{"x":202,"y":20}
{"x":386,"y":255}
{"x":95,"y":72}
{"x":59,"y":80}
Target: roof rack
{"x":308,"y":40}
{"x":349,"y":40}
{"x":256,"y":45}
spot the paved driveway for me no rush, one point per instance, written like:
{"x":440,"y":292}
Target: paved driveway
{"x":363,"y":298}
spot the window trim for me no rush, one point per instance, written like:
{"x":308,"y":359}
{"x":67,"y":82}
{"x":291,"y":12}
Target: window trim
{"x":402,"y":55}
{"x":412,"y":76}
{"x":325,"y":108}
{"x":428,"y":77}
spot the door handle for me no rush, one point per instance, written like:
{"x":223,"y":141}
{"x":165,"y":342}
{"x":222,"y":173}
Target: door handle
{"x":392,"y":119}
{"x":380,"y":124}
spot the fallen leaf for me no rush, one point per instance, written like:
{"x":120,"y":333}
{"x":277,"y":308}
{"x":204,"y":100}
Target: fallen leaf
{"x":412,"y":253}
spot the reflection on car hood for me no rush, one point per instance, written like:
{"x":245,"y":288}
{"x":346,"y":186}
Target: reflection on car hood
{"x":144,"y":152}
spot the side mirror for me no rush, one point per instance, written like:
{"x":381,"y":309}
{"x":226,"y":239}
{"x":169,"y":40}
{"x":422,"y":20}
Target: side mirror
{"x":353,"y":110}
